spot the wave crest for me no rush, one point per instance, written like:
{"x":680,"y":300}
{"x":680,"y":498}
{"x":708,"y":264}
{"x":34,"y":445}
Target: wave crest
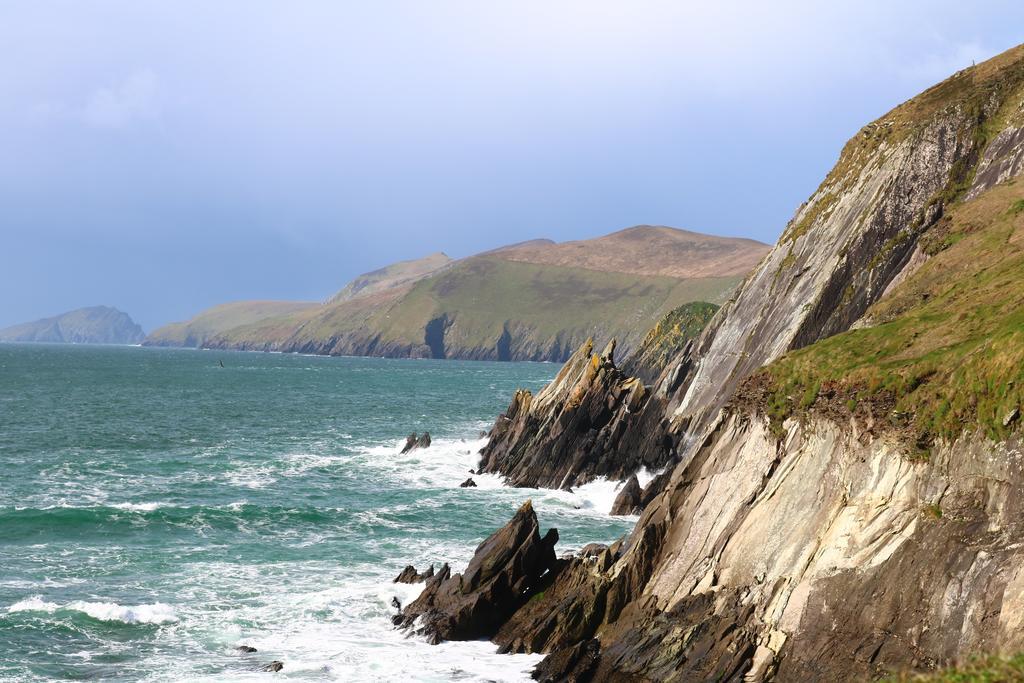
{"x":154,"y":613}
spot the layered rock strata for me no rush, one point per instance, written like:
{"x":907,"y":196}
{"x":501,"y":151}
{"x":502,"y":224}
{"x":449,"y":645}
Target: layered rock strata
{"x":815,"y":549}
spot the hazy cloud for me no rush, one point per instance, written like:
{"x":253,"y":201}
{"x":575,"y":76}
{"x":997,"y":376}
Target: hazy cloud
{"x":136,"y":97}
{"x":167,"y":156}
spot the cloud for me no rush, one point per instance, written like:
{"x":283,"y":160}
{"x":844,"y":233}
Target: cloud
{"x":137,"y":97}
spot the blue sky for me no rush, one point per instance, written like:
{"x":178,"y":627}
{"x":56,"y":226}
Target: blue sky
{"x":166,"y":156}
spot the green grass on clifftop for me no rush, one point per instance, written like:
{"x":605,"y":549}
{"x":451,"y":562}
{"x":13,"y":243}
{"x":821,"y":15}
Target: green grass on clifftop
{"x":979,"y":670}
{"x":942,"y":353}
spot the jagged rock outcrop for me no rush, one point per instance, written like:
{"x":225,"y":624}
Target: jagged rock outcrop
{"x":505,"y":572}
{"x":627,"y":502}
{"x":797,"y":538}
{"x":410,"y":575}
{"x":574,"y":429}
{"x":414,"y":441}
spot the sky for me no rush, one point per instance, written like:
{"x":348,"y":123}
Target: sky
{"x":163,"y":157}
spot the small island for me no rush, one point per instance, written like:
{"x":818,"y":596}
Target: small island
{"x":90,"y":325}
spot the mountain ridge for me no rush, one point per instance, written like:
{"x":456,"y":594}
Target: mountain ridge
{"x":515,"y":302}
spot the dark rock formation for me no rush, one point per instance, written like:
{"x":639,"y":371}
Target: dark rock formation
{"x":591,"y":421}
{"x":469,"y":483}
{"x":245,"y":649}
{"x":629,"y":498}
{"x":574,"y":664}
{"x":414,"y":441}
{"x":273,"y":667}
{"x":505,"y":572}
{"x":410,"y":575}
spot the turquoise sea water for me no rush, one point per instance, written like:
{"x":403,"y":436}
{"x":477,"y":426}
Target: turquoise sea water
{"x":158,"y":510}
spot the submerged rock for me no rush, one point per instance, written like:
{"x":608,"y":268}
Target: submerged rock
{"x":503,"y":574}
{"x":246,"y":649}
{"x":414,"y":441}
{"x":469,"y":483}
{"x":628,"y":500}
{"x":273,"y":667}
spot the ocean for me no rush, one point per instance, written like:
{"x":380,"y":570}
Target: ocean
{"x":158,"y":510}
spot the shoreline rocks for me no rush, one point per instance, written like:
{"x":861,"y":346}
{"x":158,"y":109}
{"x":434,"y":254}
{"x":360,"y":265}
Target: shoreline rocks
{"x":504,"y":573}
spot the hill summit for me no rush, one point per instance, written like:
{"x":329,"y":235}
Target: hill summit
{"x":535,"y":300}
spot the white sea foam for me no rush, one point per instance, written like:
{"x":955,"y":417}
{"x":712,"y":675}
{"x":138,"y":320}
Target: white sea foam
{"x":138,"y":507}
{"x":336,"y":626}
{"x":33,"y":604}
{"x":447,"y":462}
{"x":155,"y":613}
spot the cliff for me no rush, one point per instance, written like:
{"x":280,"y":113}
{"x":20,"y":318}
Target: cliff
{"x":93,"y":325}
{"x":530,"y":301}
{"x":846,"y":495}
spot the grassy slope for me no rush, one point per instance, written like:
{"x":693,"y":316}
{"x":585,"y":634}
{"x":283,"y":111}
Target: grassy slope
{"x":980,"y":670}
{"x":944,"y":351}
{"x":484,"y":293}
{"x":547,"y":298}
{"x":221,"y":318}
{"x":391,"y":276}
{"x":648,"y":250}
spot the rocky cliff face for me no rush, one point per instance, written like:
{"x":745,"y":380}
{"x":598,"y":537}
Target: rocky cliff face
{"x":798,"y":537}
